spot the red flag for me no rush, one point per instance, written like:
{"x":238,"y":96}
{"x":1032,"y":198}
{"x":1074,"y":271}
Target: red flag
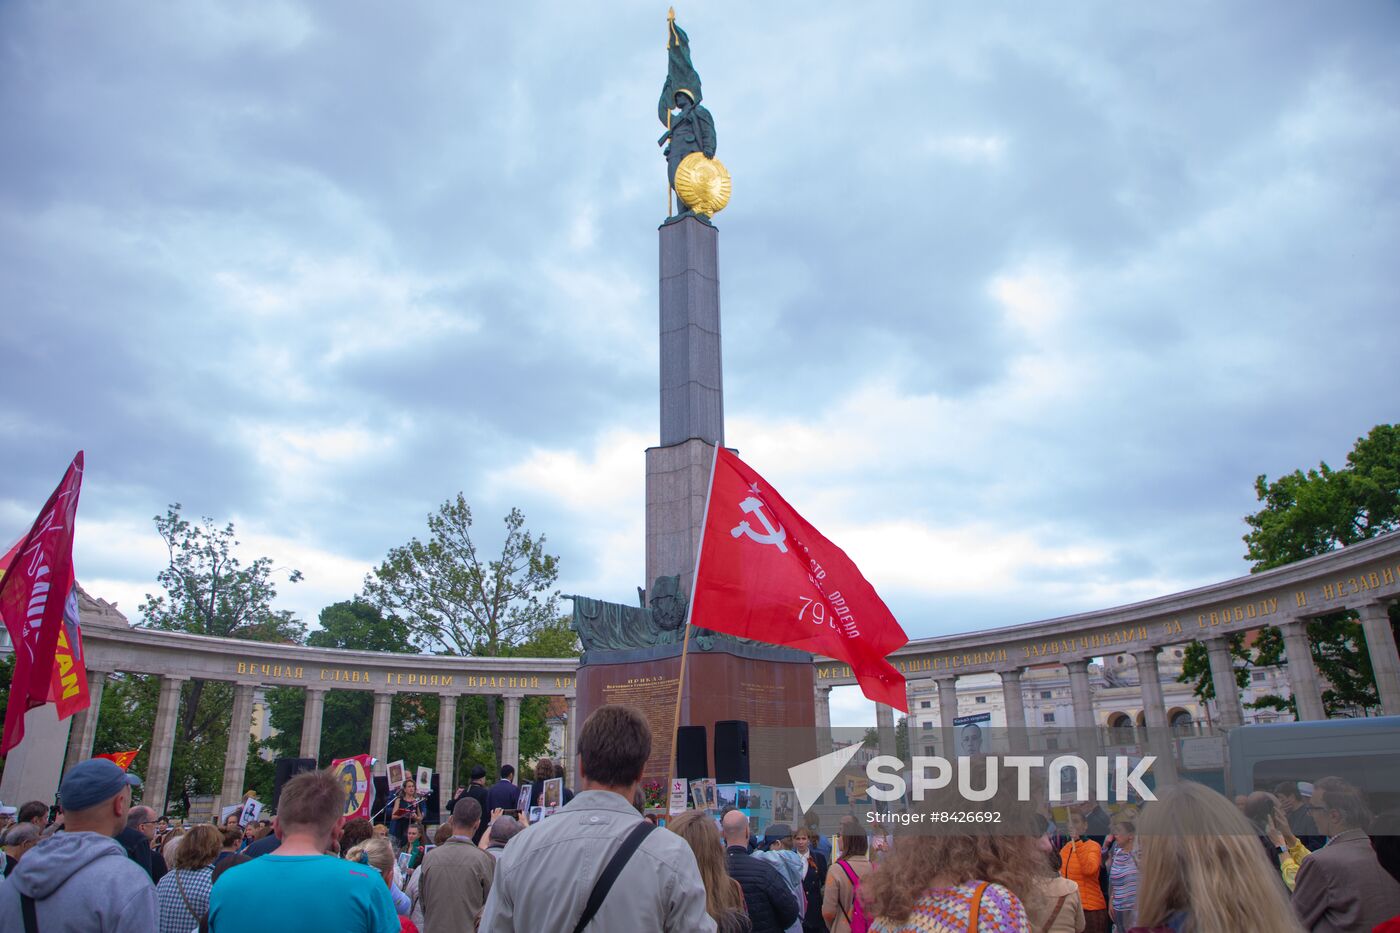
{"x":356,"y":775}
{"x":68,"y":689}
{"x":123,"y":760}
{"x":765,"y":573}
{"x":33,"y":594}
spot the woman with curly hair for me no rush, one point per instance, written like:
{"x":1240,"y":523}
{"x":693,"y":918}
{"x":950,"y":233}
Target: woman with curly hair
{"x":1201,"y":868}
{"x":947,"y":879}
{"x":724,"y":899}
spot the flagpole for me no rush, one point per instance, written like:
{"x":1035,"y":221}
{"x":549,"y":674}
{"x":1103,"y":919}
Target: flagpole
{"x":685,"y":643}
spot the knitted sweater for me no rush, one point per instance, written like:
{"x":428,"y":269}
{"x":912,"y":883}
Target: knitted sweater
{"x":948,"y":910}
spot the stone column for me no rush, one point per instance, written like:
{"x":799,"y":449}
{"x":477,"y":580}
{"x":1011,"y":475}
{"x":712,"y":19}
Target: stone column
{"x":510,"y":735}
{"x":85,"y":722}
{"x":571,"y":742}
{"x":311,"y":717}
{"x":240,"y":732}
{"x":1302,"y":676}
{"x":692,"y":384}
{"x":947,"y":712}
{"x":379,"y":732}
{"x":692,"y":399}
{"x":1154,"y":713}
{"x":823,"y":707}
{"x":884,"y":728}
{"x":1380,"y":643}
{"x":157,"y":784}
{"x":1227,"y":692}
{"x":1015,"y":710}
{"x":447,"y":746}
{"x":1082,"y":700}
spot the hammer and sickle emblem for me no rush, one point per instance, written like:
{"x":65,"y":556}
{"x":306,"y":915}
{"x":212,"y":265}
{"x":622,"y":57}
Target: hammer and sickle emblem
{"x":775,"y":536}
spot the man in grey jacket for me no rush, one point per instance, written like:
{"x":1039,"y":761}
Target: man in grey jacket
{"x":80,"y":880}
{"x":545,"y":876}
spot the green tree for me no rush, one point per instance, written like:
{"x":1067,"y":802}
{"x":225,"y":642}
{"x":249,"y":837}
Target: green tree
{"x":1306,"y":514}
{"x":208,"y":591}
{"x":413,"y":718}
{"x":456,"y":601}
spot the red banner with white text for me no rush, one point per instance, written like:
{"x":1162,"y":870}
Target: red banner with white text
{"x":765,"y":573}
{"x":39,"y":607}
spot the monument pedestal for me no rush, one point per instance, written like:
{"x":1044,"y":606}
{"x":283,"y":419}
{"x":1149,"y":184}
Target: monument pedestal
{"x":768,"y":687}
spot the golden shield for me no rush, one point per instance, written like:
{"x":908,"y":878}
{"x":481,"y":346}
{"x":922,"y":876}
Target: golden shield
{"x":703,"y":183}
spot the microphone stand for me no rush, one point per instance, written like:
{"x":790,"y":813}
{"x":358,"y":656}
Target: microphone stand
{"x":393,"y":795}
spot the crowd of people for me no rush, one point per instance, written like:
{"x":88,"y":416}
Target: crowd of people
{"x":1306,"y":857}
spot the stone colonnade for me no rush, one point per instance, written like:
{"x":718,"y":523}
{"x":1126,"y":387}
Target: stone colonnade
{"x":251,"y":666}
{"x":1363,"y":578}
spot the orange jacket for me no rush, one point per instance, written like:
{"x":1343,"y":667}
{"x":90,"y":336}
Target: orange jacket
{"x":1079,"y":862}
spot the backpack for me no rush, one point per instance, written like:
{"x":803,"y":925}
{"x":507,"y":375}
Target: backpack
{"x":856,"y":918}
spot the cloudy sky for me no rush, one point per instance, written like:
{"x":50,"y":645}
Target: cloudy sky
{"x":1017,"y":303}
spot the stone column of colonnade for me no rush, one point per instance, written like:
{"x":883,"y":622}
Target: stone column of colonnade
{"x":157,"y":784}
{"x":1082,"y":701}
{"x":510,"y":735}
{"x":84,"y":730}
{"x":379,"y":732}
{"x":1222,"y":676}
{"x":823,"y":709}
{"x":1015,"y":703}
{"x":446,"y":764}
{"x":239,"y":734}
{"x":884,"y":728}
{"x":1385,"y":663}
{"x":312,"y":714}
{"x":1302,"y":675}
{"x":947,"y":713}
{"x":1154,"y":713}
{"x":571,"y":730}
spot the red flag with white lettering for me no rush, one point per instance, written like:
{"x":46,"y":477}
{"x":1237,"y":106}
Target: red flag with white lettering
{"x":766,"y":574}
{"x":34,"y":593}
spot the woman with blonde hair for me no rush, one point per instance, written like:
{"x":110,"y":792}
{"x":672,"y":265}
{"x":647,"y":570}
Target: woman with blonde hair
{"x":183,"y":892}
{"x":953,"y":877}
{"x":378,"y":853}
{"x":1201,"y":868}
{"x":724,"y":899}
{"x":171,"y":843}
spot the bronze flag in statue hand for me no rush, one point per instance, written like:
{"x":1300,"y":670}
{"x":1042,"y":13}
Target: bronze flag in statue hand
{"x":700,"y":181}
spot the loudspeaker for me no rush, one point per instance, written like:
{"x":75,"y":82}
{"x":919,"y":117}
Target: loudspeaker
{"x":381,"y":799}
{"x":692,"y":748}
{"x":284,"y":769}
{"x":732,"y":751}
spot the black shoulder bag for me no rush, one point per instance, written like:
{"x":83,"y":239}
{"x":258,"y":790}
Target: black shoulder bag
{"x":611,"y":871}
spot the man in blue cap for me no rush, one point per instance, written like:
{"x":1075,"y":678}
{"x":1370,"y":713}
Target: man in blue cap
{"x":80,"y":880}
